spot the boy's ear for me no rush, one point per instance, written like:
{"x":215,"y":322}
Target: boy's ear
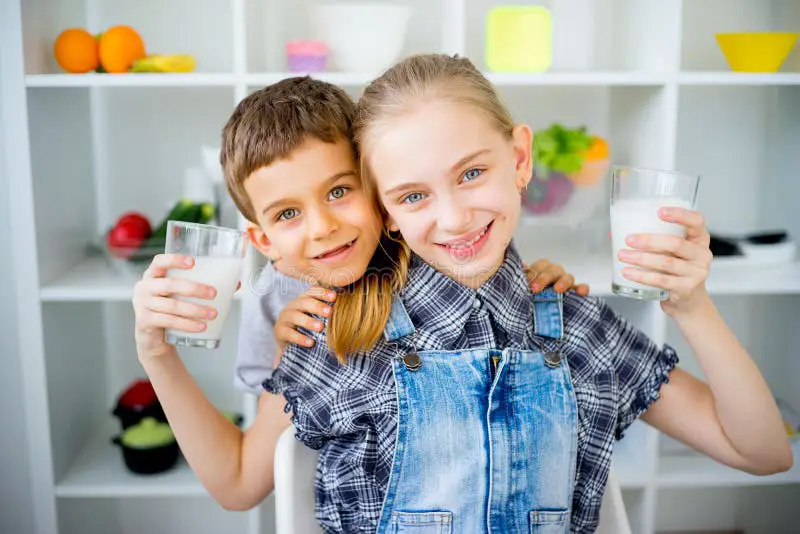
{"x":259,"y":239}
{"x":522,"y":137}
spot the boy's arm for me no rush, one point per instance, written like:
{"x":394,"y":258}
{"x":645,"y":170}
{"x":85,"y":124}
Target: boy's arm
{"x":733,"y":418}
{"x":235,"y":468}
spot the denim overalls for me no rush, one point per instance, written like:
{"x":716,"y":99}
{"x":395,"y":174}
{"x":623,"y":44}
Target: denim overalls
{"x":486,"y":439}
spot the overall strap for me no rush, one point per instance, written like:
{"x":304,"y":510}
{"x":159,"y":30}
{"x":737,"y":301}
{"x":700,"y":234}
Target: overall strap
{"x":548,"y":314}
{"x":399,"y":323}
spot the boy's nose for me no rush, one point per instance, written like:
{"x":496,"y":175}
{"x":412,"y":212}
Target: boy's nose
{"x":321,"y":224}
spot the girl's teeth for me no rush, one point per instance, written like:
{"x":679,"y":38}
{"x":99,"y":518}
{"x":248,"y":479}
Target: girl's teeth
{"x":472,"y":241}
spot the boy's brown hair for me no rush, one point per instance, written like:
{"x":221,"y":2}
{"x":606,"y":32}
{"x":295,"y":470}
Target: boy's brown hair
{"x":266,"y":127}
{"x":270,"y":123}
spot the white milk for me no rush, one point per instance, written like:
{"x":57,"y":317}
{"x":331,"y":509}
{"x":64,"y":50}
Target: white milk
{"x":221,"y":273}
{"x":640,"y":216}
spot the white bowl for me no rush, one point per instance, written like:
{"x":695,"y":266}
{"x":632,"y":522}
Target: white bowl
{"x":361,"y":37}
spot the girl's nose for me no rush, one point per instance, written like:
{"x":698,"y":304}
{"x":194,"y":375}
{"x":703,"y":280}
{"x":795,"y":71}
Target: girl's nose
{"x":454,"y":218}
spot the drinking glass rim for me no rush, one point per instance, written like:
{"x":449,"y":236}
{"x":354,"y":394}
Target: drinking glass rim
{"x":201,"y":226}
{"x":694,"y":176}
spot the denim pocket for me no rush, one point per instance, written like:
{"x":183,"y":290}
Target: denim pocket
{"x":437,"y":522}
{"x":549,"y":521}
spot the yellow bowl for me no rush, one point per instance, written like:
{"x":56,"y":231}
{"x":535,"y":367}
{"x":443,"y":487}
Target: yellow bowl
{"x":756,"y":52}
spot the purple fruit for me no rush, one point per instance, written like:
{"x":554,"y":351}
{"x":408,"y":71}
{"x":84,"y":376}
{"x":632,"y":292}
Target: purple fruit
{"x":546,"y":196}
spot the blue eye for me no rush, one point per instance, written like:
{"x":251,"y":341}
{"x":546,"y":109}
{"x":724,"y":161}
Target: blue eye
{"x":471,"y":174}
{"x":338,"y":192}
{"x":287,"y":215}
{"x":413,"y":198}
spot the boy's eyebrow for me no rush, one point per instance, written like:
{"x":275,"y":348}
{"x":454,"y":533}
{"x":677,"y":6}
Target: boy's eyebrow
{"x":460,"y":163}
{"x":337,"y":176}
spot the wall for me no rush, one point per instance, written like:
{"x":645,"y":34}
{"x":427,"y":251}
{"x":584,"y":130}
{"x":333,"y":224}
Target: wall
{"x":16,"y":500}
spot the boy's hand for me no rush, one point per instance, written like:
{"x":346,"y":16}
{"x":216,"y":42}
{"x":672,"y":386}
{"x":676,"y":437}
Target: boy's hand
{"x":156,"y":308}
{"x":315,"y":301}
{"x":676,"y":264}
{"x":544,"y":273}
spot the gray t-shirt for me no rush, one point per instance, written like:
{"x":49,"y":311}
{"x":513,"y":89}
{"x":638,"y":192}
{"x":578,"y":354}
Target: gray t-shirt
{"x":264,"y":298}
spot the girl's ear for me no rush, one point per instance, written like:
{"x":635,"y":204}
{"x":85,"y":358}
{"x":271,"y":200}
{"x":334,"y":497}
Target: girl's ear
{"x":259,"y":239}
{"x":522,"y":137}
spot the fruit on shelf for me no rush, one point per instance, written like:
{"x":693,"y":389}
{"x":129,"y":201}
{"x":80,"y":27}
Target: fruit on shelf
{"x":164,"y":63}
{"x":75,"y":51}
{"x":127,"y":235}
{"x":133,"y":238}
{"x":120,"y":46}
{"x":547,"y":195}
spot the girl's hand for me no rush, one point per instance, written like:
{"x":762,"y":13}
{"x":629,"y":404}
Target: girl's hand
{"x":157,"y":309}
{"x":544,"y":273}
{"x":299,"y":313}
{"x":678,"y":265}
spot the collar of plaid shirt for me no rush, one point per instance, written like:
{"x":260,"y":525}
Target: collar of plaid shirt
{"x":443,"y":305}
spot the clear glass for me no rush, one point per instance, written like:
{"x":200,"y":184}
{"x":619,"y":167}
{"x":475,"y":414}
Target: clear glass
{"x":219,"y":257}
{"x":636,"y":196}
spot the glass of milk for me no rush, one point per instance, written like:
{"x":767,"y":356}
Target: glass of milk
{"x":636,"y":196}
{"x":218,"y":260}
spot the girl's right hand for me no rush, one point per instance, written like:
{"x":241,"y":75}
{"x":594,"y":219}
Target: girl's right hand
{"x":315,"y":301}
{"x":157,"y":309}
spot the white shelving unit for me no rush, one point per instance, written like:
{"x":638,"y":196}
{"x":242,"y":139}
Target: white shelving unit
{"x":88,"y":147}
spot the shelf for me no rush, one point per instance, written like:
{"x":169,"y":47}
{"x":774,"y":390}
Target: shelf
{"x":338,"y":78}
{"x":99,"y":472}
{"x":693,"y":470}
{"x":95,"y":279}
{"x":740,"y":277}
{"x":738,"y":78}
{"x":130,"y":80}
{"x":581,"y":78}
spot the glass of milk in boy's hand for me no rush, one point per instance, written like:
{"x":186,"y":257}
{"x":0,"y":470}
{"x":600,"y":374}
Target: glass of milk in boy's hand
{"x":636,"y":197}
{"x":218,"y":260}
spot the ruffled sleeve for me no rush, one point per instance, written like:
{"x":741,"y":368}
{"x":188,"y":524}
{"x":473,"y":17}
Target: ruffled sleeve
{"x":640,"y":366}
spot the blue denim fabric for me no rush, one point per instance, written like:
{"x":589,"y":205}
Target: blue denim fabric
{"x":483,"y":446}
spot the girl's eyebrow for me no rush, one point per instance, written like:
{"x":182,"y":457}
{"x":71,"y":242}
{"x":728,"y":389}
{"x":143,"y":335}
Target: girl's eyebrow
{"x":460,"y":163}
{"x":469,"y":157}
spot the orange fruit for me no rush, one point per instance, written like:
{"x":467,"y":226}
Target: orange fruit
{"x":75,"y":51}
{"x":598,"y":149}
{"x":120,"y":46}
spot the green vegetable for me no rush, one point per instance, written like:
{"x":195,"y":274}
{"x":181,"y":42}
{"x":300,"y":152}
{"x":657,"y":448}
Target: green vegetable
{"x":207,"y":213}
{"x":559,"y":149}
{"x":177,"y":213}
{"x":147,"y":434}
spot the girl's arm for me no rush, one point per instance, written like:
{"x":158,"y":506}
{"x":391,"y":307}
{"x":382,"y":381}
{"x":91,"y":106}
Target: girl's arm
{"x":733,"y":418}
{"x":236,"y":468}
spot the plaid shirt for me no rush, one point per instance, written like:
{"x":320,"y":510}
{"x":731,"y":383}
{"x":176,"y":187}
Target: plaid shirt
{"x":349,"y":413}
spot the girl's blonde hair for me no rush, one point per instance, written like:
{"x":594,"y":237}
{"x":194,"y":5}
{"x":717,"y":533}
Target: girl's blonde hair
{"x":417,"y":80}
{"x":362,"y":310}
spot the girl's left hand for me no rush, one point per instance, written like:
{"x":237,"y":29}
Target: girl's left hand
{"x":679,"y":265}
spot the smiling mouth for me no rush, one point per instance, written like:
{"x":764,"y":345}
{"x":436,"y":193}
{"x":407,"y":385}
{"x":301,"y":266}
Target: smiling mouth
{"x":467,"y":243}
{"x":336,"y":251}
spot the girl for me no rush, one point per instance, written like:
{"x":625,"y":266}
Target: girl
{"x":483,"y":409}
